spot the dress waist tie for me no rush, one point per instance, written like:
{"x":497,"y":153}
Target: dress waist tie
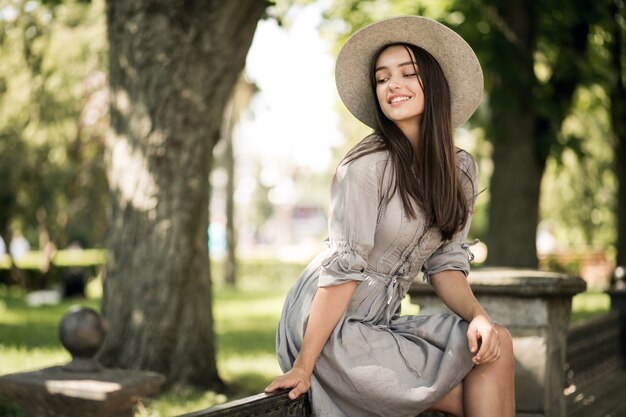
{"x":400,"y":349}
{"x":395,"y":287}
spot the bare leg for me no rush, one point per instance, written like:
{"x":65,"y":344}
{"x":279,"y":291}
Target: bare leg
{"x":452,"y":403}
{"x":488,"y":390}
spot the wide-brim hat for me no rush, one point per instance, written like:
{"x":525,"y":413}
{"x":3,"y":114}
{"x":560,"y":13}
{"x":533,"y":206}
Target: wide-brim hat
{"x":455,"y":57}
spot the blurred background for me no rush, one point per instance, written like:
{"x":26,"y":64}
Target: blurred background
{"x":549,"y":139}
{"x":287,"y":131}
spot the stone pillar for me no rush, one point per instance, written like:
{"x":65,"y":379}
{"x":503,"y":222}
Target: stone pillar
{"x":535,"y":306}
{"x":617,"y":292}
{"x":82,"y":387}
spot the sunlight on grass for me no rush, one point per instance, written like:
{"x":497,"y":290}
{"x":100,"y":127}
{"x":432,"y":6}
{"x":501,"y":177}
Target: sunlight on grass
{"x":180,"y":401}
{"x":588,"y":305}
{"x":249,"y":374}
{"x":24,"y":359}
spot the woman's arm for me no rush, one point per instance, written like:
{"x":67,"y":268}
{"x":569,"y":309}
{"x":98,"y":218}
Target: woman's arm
{"x":329,"y":304}
{"x":453,"y":289}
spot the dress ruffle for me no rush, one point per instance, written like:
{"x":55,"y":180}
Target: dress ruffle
{"x":455,"y":256}
{"x":343,"y":264}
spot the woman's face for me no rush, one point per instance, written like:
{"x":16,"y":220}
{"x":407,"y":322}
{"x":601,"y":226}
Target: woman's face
{"x":398,"y":89}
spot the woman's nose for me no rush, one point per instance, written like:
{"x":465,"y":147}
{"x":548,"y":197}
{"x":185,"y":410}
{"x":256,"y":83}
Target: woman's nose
{"x":394,"y":84}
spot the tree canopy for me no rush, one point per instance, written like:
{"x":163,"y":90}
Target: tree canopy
{"x":545,"y":65}
{"x":54,"y":101}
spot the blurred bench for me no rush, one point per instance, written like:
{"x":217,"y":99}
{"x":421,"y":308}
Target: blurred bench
{"x":36,"y":271}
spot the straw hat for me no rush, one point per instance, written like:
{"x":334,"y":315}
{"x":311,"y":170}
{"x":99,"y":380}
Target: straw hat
{"x":457,"y":59}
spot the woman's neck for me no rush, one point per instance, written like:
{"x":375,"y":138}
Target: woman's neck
{"x":411,"y":131}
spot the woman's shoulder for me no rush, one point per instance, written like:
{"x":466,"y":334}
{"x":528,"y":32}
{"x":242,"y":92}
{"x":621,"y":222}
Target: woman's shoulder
{"x":368,"y":153}
{"x":365,"y":161}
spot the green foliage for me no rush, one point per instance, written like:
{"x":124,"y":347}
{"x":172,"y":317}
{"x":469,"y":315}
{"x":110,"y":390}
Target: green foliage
{"x":579,"y":187}
{"x":572,"y":266}
{"x":344,"y":17}
{"x":570,"y":59}
{"x":53,"y":106}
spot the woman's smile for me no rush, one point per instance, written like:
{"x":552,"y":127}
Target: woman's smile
{"x":396,"y":99}
{"x":399,"y":89}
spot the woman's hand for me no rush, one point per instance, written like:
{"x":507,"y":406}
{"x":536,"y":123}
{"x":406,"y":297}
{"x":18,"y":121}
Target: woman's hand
{"x":327,"y":307}
{"x":482,"y":331}
{"x":297,"y":378}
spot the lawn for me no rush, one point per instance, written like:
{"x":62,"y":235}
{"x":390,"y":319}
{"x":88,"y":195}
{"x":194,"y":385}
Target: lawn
{"x":245,"y":321}
{"x":245,"y":325}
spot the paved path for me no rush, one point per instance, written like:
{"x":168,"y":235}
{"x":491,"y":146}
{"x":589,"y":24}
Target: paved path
{"x":603,"y":397}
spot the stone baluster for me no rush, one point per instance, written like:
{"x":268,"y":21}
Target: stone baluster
{"x":535,"y":306}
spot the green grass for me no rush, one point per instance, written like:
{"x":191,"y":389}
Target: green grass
{"x":245,"y":330}
{"x":28,"y":335}
{"x":245,"y":323}
{"x":588,"y":305}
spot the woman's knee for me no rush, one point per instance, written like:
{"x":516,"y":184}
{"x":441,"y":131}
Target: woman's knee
{"x":506,"y":344}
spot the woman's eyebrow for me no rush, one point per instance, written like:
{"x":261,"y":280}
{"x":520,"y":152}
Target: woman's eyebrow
{"x":382,"y":67}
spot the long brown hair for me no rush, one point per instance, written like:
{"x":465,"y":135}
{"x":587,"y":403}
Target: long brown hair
{"x":427,"y":177}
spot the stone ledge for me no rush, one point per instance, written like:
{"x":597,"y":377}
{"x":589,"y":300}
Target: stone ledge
{"x":513,"y":282}
{"x":535,"y":306}
{"x":56,"y":391}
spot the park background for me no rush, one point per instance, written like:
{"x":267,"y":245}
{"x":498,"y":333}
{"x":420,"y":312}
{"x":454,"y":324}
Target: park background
{"x":130,"y":156}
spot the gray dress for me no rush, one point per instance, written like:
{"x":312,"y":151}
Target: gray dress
{"x":376,"y":362}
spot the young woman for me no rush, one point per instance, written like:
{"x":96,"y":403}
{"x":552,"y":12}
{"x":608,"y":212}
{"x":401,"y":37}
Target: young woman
{"x":401,"y":203}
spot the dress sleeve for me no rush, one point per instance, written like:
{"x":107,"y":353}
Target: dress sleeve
{"x":454,"y":254}
{"x":355,"y":197}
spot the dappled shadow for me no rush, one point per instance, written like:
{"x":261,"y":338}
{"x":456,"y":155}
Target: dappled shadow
{"x":10,"y":409}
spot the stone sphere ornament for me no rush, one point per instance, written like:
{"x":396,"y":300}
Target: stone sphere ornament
{"x":82,"y":331}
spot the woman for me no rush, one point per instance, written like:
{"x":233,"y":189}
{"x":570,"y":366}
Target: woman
{"x":401,"y":202}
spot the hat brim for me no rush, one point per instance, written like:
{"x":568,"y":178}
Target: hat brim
{"x":456,"y":58}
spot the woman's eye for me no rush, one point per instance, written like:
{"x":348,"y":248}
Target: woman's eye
{"x":410,"y":75}
{"x":381,"y":80}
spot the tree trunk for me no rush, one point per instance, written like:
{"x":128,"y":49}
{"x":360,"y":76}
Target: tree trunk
{"x":244,"y":91}
{"x":172,"y":69}
{"x":526,"y":119}
{"x":516,"y":179}
{"x":230,"y":263}
{"x":618,"y":124}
